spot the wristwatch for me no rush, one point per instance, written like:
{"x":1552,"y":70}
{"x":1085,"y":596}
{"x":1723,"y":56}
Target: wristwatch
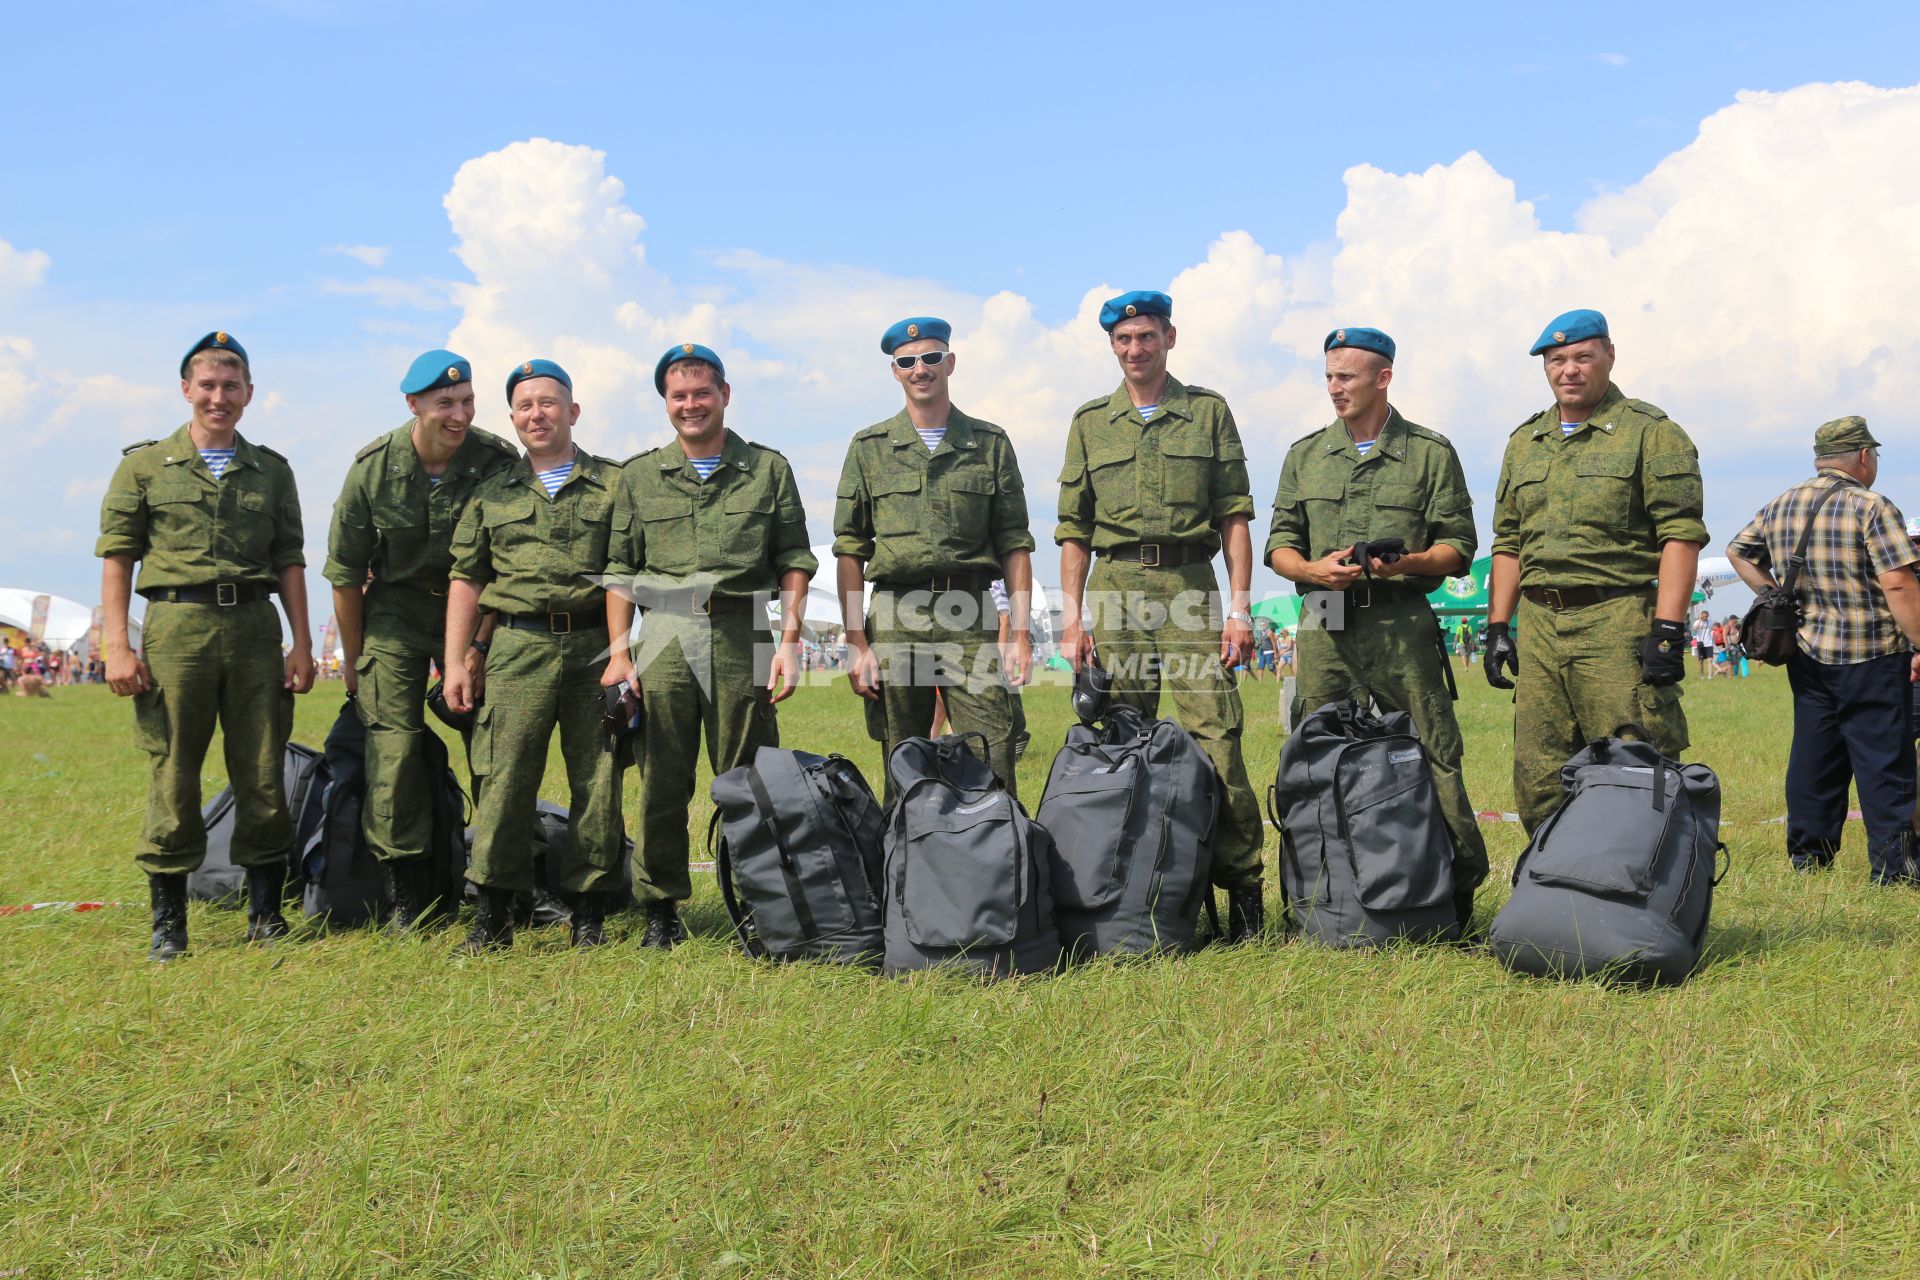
{"x":482,"y":646}
{"x":1238,"y":616}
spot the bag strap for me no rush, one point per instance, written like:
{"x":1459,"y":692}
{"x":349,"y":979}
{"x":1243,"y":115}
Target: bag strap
{"x":764,"y":804}
{"x":1798,"y":560}
{"x":723,"y":872}
{"x":1446,"y":659}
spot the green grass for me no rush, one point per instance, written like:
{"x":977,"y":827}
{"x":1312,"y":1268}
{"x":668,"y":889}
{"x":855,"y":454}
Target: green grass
{"x":350,"y":1106}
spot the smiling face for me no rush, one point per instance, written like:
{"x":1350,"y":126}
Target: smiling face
{"x":1141,"y":345}
{"x":444,"y":414}
{"x":697,"y":401}
{"x":924,"y":383}
{"x":1356,"y":382}
{"x":219,"y":389}
{"x":543,"y":415}
{"x":1579,"y":374}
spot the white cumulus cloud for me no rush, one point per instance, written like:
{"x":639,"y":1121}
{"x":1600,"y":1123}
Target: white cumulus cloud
{"x":371,"y":255}
{"x":21,"y":269}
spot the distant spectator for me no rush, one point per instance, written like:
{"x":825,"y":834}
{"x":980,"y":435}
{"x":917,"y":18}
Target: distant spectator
{"x":1703,"y":643}
{"x":1852,"y":675}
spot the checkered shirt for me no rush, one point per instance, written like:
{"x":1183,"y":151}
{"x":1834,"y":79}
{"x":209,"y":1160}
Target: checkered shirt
{"x":1858,"y":535}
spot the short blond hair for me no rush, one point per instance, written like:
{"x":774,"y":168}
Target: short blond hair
{"x":220,"y":360}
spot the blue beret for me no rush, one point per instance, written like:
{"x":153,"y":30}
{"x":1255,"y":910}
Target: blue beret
{"x":1574,"y":326}
{"x":686,"y":351}
{"x":536,"y":369}
{"x":1361,"y":340}
{"x":436,"y":369}
{"x":218,"y":340}
{"x":1141,"y":302}
{"x":912,"y":330}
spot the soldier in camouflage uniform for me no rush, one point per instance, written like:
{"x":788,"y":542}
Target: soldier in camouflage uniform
{"x":931,"y":510}
{"x":705,"y":530}
{"x":530,"y":549}
{"x":1373,"y":475}
{"x":1599,"y":498}
{"x":214,"y":521}
{"x":394,"y":522}
{"x":1155,"y":484}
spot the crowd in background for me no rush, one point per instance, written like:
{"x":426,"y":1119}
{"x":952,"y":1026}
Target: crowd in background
{"x":29,"y":669}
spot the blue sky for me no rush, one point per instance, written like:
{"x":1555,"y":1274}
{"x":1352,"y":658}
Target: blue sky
{"x":182,"y":171}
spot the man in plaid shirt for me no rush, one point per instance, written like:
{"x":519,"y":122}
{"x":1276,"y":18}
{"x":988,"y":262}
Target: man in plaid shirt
{"x":1852,"y":677}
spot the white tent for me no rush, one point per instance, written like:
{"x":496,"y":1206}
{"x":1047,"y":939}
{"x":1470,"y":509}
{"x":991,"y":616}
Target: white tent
{"x":67,"y":621}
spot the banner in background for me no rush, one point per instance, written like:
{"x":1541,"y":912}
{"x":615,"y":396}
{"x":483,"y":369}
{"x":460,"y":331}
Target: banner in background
{"x":37,"y":628}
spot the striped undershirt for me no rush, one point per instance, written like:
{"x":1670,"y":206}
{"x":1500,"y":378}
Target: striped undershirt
{"x":1568,"y":428}
{"x":217,"y":460}
{"x":706,"y":466}
{"x":1147,"y":411}
{"x":555,"y":477}
{"x":1365,"y":447}
{"x":931,"y":436}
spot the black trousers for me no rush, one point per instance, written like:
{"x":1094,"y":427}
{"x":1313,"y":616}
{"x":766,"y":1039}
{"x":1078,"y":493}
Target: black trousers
{"x":1852,"y":722}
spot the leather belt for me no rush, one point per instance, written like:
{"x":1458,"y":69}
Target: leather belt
{"x":438,"y":590}
{"x":1559,"y":599}
{"x":972,"y":581}
{"x":224,"y":594}
{"x":1158,"y":555}
{"x":558,"y":624}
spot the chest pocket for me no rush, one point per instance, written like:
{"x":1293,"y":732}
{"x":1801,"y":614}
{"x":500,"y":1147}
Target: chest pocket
{"x":592,"y":523}
{"x":971,"y":492}
{"x":510,"y":526}
{"x":1188,"y":472}
{"x":1400,"y":511}
{"x":748,"y":509}
{"x":898,"y":507}
{"x":1526,"y":488}
{"x":1115,"y":479}
{"x":666,"y":525}
{"x":1603,"y":492}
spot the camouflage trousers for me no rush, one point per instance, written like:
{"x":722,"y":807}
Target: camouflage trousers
{"x":946,"y":642}
{"x":213,"y":665}
{"x":1388,"y":651}
{"x":1158,"y":632}
{"x":698,"y":675}
{"x":404,"y":634}
{"x":537,"y":683}
{"x":1580,"y":680}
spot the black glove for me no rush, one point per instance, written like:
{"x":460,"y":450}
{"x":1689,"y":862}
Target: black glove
{"x":1385,"y":550}
{"x":1663,"y":654}
{"x":621,"y":717}
{"x":1501,"y":651}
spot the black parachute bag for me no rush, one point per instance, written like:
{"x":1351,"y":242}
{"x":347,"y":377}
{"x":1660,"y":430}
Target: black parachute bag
{"x":217,"y":880}
{"x":796,"y":841}
{"x":1365,"y":855}
{"x":344,"y":883}
{"x":1618,"y":882}
{"x":1131,"y":808}
{"x":545,"y":905}
{"x":968,"y":873}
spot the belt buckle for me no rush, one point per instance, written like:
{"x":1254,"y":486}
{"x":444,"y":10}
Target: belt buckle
{"x":1154,"y":563}
{"x":436,"y":591}
{"x":1361,"y":596}
{"x":226,"y":594}
{"x":697,"y":604}
{"x":560,"y":624}
{"x":1554,"y":600}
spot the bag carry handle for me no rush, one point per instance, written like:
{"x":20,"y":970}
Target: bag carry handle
{"x":764,"y":804}
{"x":723,"y":872}
{"x":1721,"y":872}
{"x":1640,"y":734}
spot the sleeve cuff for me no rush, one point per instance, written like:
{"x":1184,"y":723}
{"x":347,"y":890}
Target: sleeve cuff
{"x":1013,"y":540}
{"x":858,"y":548}
{"x":1072,"y":531}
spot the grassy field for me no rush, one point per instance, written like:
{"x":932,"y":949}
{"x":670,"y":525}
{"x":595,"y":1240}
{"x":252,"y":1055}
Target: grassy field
{"x":351,"y":1106}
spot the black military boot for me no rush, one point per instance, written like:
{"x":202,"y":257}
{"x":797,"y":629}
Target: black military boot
{"x":492,"y":923}
{"x":264,"y":885}
{"x":664,"y":930}
{"x":1246,"y":914}
{"x":589,"y":920}
{"x":1463,"y":910}
{"x":169,"y":898}
{"x":407,"y":886}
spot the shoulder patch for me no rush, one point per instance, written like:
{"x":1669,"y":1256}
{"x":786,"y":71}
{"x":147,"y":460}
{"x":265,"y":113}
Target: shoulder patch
{"x":138,"y":446}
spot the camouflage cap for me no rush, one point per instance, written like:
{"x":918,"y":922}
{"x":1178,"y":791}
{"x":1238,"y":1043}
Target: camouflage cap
{"x":1843,"y":435}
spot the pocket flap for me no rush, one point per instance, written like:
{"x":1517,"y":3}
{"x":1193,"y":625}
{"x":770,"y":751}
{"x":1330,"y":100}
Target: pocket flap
{"x":1108,"y":455}
{"x":497,"y":514}
{"x":666,"y":507}
{"x":1398,"y":495}
{"x":1188,"y":444}
{"x":1617,"y":463}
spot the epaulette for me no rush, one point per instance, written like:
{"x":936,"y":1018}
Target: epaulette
{"x":1097,"y":402}
{"x":138,"y":446}
{"x":272,"y":453}
{"x":1641,"y":406}
{"x":493,"y":441}
{"x":642,"y":454}
{"x":1311,"y":435}
{"x":370,"y":450}
{"x":1428,"y":433}
{"x":868,"y":433}
{"x":766,"y":448}
{"x":1204,"y":391}
{"x":1528,"y":423}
